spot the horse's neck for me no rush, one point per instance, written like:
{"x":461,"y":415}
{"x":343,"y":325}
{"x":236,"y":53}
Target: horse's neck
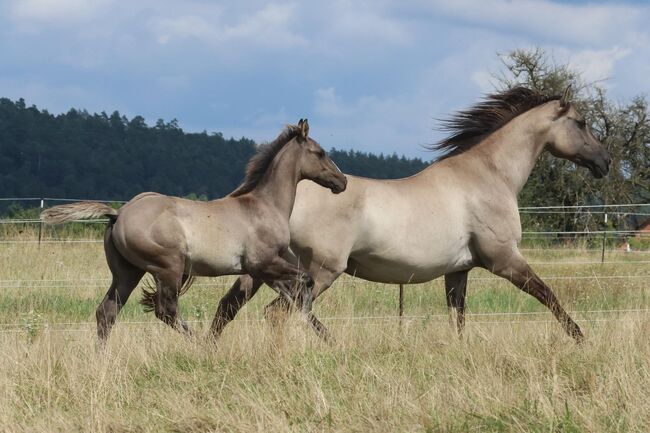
{"x":280,"y":182}
{"x":511,"y":152}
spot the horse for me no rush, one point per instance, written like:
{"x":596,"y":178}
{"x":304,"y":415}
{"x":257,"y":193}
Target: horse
{"x":175,"y":239}
{"x":459,"y":213}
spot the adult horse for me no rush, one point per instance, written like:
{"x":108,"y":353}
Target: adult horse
{"x":459,"y":213}
{"x":175,"y":239}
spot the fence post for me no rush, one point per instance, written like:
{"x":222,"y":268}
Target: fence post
{"x":401,"y":303}
{"x":40,"y":223}
{"x":602,"y":254}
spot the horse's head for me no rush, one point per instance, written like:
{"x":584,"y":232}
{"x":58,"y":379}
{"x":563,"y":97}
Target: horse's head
{"x":569,"y":137}
{"x":314,"y":163}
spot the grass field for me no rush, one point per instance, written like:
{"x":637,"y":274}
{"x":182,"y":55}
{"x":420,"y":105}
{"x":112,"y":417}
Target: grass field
{"x":510,"y":372}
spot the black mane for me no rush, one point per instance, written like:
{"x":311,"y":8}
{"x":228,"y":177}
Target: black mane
{"x":467,"y":127}
{"x":260,"y":162}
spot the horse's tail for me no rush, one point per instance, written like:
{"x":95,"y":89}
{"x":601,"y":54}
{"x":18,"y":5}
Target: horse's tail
{"x":75,"y":211}
{"x":148,"y":300}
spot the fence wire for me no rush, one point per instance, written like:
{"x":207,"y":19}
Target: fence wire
{"x":488,"y":318}
{"x":630,"y":316}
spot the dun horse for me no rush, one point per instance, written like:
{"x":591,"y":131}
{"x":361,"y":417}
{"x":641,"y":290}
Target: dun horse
{"x":459,"y":213}
{"x":175,"y":239}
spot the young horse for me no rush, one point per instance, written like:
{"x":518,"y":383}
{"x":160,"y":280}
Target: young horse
{"x":457,"y":214}
{"x":175,"y":239}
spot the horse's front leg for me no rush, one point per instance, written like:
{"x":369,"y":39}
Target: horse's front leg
{"x":455,"y":291}
{"x":297,"y":292}
{"x":324,"y":276}
{"x":239,"y":294}
{"x":516,"y":270}
{"x":283,"y":277}
{"x":280,"y":274}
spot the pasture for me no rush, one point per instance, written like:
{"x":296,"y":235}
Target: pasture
{"x":513,"y":370}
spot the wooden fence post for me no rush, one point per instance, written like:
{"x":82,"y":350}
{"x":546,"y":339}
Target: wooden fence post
{"x":40,"y":224}
{"x":602,"y":254}
{"x":401,"y":303}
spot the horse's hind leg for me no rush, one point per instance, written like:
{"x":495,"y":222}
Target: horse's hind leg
{"x":517,"y":271}
{"x":455,"y":290}
{"x":241,"y":292}
{"x":168,"y":284}
{"x":125,"y":279}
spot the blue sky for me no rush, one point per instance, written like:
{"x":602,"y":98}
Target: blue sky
{"x":369,"y":75}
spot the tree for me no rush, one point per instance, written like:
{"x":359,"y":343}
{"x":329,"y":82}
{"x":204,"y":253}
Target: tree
{"x":623,"y":128}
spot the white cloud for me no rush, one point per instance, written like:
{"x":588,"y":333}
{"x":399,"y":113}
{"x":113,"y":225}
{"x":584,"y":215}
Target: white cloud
{"x":484,"y":80}
{"x":55,"y":11}
{"x":593,"y":65}
{"x":269,"y":26}
{"x":374,"y":123}
{"x":328,"y":103}
{"x":586,"y":23}
{"x":370,"y":25}
{"x":187,"y":26}
{"x":597,"y":65}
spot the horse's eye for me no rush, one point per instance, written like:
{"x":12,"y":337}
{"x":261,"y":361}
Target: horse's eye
{"x":581,"y":123}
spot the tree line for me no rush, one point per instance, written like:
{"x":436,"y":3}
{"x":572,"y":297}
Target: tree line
{"x":89,"y":156}
{"x":99,"y":156}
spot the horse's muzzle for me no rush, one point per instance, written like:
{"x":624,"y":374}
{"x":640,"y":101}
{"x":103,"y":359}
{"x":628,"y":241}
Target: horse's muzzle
{"x":338,"y":186}
{"x":600,"y":168}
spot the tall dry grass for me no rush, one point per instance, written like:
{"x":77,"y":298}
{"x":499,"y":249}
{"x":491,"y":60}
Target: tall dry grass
{"x":373,"y":378}
{"x":508,"y":373}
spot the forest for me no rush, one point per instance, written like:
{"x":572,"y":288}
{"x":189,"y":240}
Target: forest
{"x":101,"y":156}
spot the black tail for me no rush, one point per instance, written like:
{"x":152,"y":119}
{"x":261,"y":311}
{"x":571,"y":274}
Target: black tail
{"x":150,"y":289}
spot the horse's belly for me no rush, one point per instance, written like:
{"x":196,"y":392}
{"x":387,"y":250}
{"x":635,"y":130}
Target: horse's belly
{"x":405,"y":269}
{"x":211,"y":255}
{"x":214,"y":266}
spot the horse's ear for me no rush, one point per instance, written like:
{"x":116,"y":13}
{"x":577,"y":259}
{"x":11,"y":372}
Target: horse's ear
{"x":565,"y":99}
{"x":297,"y":129}
{"x":304,"y":129}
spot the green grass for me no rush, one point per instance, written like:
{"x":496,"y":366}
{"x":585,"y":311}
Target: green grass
{"x":65,"y":282}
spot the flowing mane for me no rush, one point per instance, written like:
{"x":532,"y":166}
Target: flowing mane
{"x":468,"y":127}
{"x":262,"y":159}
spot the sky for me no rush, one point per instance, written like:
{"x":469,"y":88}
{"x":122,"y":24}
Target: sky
{"x":369,"y":75}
